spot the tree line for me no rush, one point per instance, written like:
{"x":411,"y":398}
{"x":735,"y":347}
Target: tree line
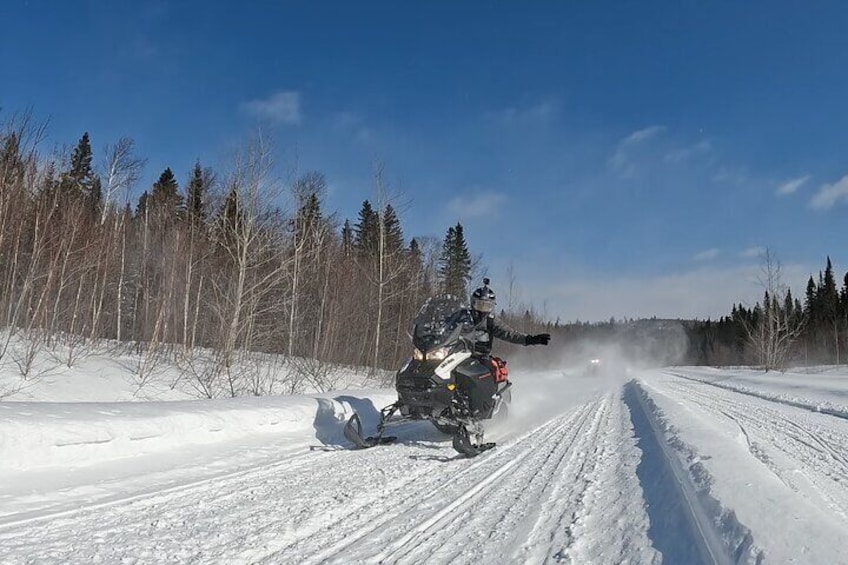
{"x":214,"y":263}
{"x":780,"y":329}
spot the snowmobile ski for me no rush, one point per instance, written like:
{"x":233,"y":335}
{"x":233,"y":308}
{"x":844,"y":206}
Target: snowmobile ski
{"x":462,"y":443}
{"x":353,"y":433}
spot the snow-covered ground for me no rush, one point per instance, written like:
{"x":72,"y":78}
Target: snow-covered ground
{"x":677,"y":465}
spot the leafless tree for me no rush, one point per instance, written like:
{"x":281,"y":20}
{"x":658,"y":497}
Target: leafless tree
{"x":776,"y":330}
{"x":120,"y":170}
{"x":252,"y":255}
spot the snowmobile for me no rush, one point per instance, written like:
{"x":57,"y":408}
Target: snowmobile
{"x":430,"y":384}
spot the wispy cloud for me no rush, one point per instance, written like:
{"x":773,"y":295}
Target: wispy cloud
{"x":703,"y":147}
{"x":752,"y":252}
{"x":281,"y":107}
{"x":707,"y":255}
{"x":642,"y":135}
{"x":539,"y":113}
{"x":476,"y":205}
{"x":792,"y":185}
{"x":622,"y":161}
{"x":829,"y":194}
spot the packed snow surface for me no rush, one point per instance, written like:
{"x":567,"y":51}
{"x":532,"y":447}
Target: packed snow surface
{"x":674,"y":465}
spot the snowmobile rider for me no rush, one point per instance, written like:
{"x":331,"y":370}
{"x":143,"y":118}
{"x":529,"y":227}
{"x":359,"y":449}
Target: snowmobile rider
{"x":486,"y":327}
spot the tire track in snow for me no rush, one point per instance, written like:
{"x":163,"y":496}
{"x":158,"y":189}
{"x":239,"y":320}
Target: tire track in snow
{"x":514,"y":502}
{"x":810,"y":406}
{"x":188,"y":519}
{"x":681,"y":527}
{"x":378,"y":527}
{"x":802,"y":448}
{"x":827,"y":440}
{"x":408,"y":502}
{"x":571,"y":479}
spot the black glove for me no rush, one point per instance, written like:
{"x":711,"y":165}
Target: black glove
{"x":538,"y":339}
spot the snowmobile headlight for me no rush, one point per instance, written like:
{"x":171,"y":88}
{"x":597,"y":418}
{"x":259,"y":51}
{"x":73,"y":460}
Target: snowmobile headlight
{"x":417,"y":354}
{"x":438,"y":354}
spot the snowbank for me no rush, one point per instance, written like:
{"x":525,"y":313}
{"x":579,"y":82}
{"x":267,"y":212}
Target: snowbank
{"x":36,"y":435}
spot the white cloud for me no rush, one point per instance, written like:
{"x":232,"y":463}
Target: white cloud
{"x":643,"y":134}
{"x":703,"y":147}
{"x":622,"y":161}
{"x":707,"y":255}
{"x":829,"y":194}
{"x":281,"y":107}
{"x":792,"y":185}
{"x":752,"y":252}
{"x":477,"y":205}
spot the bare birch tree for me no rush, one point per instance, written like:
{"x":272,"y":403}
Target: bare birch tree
{"x":776,"y":330}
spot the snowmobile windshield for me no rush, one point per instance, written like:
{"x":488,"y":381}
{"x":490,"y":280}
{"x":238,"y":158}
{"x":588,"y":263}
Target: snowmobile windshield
{"x":439,"y":322}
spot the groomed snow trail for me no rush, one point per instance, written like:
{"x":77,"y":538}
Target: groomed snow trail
{"x":807,"y":451}
{"x":662,"y":468}
{"x":565,"y":492}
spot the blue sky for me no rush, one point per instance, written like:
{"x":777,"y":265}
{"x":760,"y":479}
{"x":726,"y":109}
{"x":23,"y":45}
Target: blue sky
{"x":626,"y":158}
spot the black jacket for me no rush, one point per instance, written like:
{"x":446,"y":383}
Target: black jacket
{"x":487,"y":329}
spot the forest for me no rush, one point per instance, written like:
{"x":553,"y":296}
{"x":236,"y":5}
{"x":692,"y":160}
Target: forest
{"x":217,"y":263}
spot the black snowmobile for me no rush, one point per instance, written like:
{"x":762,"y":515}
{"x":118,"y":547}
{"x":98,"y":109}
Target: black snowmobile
{"x":430,"y":384}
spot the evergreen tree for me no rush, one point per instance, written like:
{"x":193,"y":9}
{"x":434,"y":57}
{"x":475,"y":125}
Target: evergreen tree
{"x":455,"y":262}
{"x":141,"y":207}
{"x":416,"y":257}
{"x":80,"y":181}
{"x":829,"y":301}
{"x":843,"y":298}
{"x":230,"y":220}
{"x":347,"y":239}
{"x":307,"y":219}
{"x":393,"y":242}
{"x":789,"y":305}
{"x":197,"y":193}
{"x":11,"y":161}
{"x":367,"y":231}
{"x":165,"y":198}
{"x":810,"y":306}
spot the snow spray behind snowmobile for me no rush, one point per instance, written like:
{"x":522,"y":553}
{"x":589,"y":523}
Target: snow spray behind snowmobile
{"x":430,"y":384}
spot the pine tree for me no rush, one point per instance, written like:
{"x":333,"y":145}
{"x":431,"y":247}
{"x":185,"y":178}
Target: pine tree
{"x":165,"y":199}
{"x":829,"y":303}
{"x":843,"y":298}
{"x":367,"y":231}
{"x":347,"y":239}
{"x":829,"y":295}
{"x":11,"y":161}
{"x":308,"y":217}
{"x":416,"y":260}
{"x":197,"y":192}
{"x":789,"y":305}
{"x":455,"y":262}
{"x":80,"y":181}
{"x":141,"y":207}
{"x":393,"y":243}
{"x":229,"y":222}
{"x":810,"y":305}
